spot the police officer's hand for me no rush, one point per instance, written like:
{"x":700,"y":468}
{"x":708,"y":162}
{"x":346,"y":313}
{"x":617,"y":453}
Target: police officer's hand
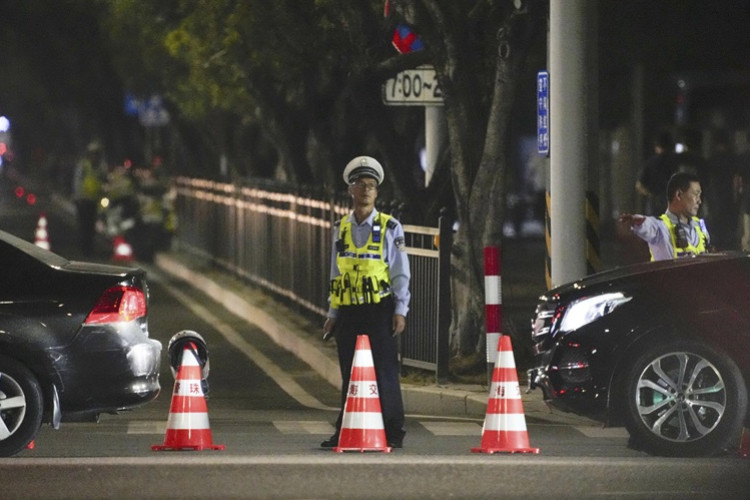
{"x":632,"y":219}
{"x":399,"y":323}
{"x":328,"y":328}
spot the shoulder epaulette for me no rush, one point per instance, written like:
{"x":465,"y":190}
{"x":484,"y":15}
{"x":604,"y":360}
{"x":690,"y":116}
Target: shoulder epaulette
{"x":391,"y":224}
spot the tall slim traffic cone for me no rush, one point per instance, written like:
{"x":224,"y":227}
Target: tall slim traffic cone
{"x":187,"y":425}
{"x":362,"y":426}
{"x":744,"y":450}
{"x":41,"y":238}
{"x":504,"y":428}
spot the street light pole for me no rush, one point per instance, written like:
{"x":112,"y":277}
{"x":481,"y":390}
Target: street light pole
{"x":572,"y":133}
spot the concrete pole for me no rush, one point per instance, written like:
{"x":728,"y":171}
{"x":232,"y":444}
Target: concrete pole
{"x":569,"y":136}
{"x":435,"y":133}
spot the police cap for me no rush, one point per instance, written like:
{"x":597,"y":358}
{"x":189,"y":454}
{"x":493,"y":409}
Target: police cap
{"x":363,"y":166}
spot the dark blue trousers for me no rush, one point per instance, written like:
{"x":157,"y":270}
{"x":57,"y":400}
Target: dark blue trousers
{"x":375,"y":321}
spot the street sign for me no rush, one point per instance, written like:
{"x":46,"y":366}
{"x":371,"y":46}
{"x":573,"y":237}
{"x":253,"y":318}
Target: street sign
{"x":152,"y":112}
{"x":413,"y":87}
{"x":542,"y":117}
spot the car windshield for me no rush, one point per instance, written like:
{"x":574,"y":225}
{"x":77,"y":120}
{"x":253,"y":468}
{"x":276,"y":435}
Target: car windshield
{"x":45,"y":256}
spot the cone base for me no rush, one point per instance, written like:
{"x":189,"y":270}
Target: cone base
{"x":341,"y":449}
{"x":490,"y":451}
{"x":196,"y":440}
{"x":165,"y":447}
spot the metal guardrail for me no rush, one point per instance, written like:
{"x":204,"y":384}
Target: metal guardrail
{"x":281,"y":243}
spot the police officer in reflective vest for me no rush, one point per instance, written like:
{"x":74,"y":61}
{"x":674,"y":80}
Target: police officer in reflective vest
{"x":369,"y":292}
{"x":678,"y":232}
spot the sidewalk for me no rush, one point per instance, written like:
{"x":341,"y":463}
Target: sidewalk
{"x":304,"y":339}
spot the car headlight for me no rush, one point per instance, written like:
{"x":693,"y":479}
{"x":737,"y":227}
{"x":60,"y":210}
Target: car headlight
{"x":584,"y":311}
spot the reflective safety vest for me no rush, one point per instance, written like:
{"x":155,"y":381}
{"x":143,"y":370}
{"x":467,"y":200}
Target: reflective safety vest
{"x":689,"y":249}
{"x":91,"y":183}
{"x":364,"y":275}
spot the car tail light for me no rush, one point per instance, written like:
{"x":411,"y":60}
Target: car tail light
{"x":119,"y":303}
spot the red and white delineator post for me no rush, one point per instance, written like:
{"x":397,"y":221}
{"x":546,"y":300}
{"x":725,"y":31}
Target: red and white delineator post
{"x":493,"y":300}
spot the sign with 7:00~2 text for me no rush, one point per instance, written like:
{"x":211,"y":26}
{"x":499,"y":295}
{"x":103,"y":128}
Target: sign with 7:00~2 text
{"x":413,"y":87}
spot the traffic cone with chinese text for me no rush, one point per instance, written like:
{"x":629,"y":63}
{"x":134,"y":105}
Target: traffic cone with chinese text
{"x":362,"y":426}
{"x":744,"y":450}
{"x":187,"y":425}
{"x":41,"y":238}
{"x":504,"y":428}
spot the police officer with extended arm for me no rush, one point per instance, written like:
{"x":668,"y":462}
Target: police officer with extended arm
{"x":678,"y":232}
{"x":369,"y":292}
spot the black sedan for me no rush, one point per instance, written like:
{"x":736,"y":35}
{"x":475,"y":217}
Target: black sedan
{"x":74,"y":341}
{"x":662,"y":348}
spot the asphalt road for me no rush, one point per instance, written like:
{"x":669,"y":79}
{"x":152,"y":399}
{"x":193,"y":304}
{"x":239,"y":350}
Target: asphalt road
{"x":271,"y":410}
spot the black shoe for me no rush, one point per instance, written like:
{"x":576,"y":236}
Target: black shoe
{"x":396,"y":444}
{"x":331,"y":442}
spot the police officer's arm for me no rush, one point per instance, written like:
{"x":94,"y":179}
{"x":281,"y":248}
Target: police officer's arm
{"x":632,"y":219}
{"x":330,"y":321}
{"x":648,"y":228}
{"x":400,"y":275}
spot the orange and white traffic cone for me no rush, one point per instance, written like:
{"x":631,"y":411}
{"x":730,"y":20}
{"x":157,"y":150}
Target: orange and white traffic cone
{"x":744,"y":450}
{"x":41,"y":238}
{"x":121,"y":249}
{"x":187,"y":425}
{"x":504,"y":428}
{"x":362,"y":426}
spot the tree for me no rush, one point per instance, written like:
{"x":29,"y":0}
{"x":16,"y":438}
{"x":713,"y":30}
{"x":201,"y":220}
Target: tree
{"x":480,"y":50}
{"x":308,"y":74}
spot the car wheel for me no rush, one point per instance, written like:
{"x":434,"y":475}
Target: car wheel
{"x":683,"y":398}
{"x":20,"y":406}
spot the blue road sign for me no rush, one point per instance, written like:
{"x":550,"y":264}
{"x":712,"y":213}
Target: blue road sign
{"x":542,"y":117}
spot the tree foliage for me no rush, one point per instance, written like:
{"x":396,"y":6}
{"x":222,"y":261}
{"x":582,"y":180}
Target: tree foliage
{"x":291,"y":90}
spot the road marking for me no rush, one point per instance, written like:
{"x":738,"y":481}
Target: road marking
{"x":602,"y":432}
{"x":453,"y":428}
{"x":146,"y":427}
{"x":304,"y":427}
{"x":287,"y":383}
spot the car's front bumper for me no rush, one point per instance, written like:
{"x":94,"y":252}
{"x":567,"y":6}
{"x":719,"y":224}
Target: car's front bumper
{"x":567,"y":375}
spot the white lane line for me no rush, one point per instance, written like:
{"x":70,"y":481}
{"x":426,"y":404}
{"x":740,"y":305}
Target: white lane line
{"x":621,"y":465}
{"x":453,"y":428}
{"x":146,"y":427}
{"x":303,"y":427}
{"x":287,"y":383}
{"x":602,"y":432}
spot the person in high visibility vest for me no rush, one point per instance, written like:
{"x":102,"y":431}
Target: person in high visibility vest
{"x":88,"y":180}
{"x":678,"y":232}
{"x":369,"y":293}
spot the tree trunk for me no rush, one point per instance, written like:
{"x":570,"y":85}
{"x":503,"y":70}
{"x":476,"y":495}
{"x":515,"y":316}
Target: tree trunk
{"x":478,"y":136}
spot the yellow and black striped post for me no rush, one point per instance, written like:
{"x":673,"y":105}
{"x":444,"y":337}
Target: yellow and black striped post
{"x":593,"y":244}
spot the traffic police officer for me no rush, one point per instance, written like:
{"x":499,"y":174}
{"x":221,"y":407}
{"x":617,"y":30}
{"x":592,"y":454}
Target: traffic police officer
{"x":369,"y":292}
{"x":678,"y":232}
